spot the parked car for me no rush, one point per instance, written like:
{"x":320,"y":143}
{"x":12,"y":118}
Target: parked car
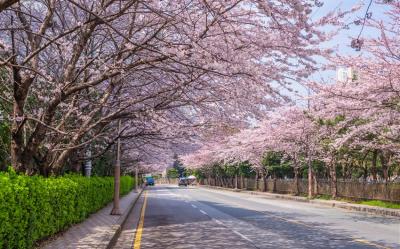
{"x":149,"y":181}
{"x":183,"y":181}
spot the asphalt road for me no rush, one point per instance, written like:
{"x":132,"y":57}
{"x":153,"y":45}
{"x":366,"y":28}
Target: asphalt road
{"x":180,"y":217}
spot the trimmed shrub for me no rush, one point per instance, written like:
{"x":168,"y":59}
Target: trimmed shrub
{"x":34,"y":207}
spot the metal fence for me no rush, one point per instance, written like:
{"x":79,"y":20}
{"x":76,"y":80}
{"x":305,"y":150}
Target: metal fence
{"x":348,"y":189}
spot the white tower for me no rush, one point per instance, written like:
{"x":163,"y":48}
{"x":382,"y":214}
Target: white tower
{"x":346,"y":74}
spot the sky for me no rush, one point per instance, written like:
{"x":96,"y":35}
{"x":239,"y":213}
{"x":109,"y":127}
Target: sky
{"x":341,"y":43}
{"x":344,"y":38}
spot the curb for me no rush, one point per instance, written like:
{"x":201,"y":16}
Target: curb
{"x":123,"y":218}
{"x":334,"y":204}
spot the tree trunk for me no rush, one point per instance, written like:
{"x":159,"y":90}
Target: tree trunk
{"x":365,"y":169}
{"x":384,"y":163}
{"x":256,"y":182}
{"x":310,"y":179}
{"x":19,"y":160}
{"x":374,"y":161}
{"x":333,"y":179}
{"x":4,"y":4}
{"x":348,"y":171}
{"x":265,"y":180}
{"x":274,"y":183}
{"x":315,"y":189}
{"x":296,"y":181}
{"x":236,"y":181}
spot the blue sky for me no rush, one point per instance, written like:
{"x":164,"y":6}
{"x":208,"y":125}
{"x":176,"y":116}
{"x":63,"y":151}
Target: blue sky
{"x":341,"y":43}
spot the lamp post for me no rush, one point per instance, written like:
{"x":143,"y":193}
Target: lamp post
{"x":117,"y":172}
{"x":309,"y":161}
{"x":136,"y":177}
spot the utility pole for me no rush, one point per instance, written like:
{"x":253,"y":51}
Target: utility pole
{"x":236,"y":181}
{"x":310,"y":171}
{"x":117,"y":172}
{"x":136,"y":177}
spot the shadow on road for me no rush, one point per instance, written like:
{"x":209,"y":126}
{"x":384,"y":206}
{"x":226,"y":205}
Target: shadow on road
{"x":171,"y":222}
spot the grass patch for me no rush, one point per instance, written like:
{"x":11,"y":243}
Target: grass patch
{"x":384,"y":204}
{"x":375,"y":203}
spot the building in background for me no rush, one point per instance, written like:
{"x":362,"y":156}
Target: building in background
{"x":346,"y":74}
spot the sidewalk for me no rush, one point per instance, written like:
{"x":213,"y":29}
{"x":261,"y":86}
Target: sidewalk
{"x":98,"y":231}
{"x":329,"y":203}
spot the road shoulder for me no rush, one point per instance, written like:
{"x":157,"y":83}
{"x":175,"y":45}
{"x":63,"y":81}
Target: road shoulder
{"x":326,"y":203}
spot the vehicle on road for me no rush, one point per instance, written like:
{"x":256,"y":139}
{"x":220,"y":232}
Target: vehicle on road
{"x":191,"y":180}
{"x":183,"y":181}
{"x":149,"y":181}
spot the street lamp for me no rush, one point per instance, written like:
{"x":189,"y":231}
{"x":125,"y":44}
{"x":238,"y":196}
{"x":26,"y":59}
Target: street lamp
{"x":117,"y":173}
{"x":136,"y":177}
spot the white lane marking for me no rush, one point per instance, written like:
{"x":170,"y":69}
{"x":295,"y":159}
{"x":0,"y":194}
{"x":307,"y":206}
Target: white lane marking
{"x":203,"y":212}
{"x":241,"y":235}
{"x":236,"y":232}
{"x":219,"y":222}
{"x":194,"y":206}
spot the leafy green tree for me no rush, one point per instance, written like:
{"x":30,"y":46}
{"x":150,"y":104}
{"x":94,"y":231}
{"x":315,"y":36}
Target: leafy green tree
{"x":178,"y":165}
{"x":5,"y":131}
{"x":276,"y":166}
{"x":199,"y":174}
{"x":231,"y":170}
{"x":246,"y":170}
{"x":173,"y":173}
{"x":4,"y":145}
{"x":103,"y":166}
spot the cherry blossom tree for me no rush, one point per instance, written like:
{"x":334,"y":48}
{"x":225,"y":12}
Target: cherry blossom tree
{"x":77,"y":67}
{"x":291,"y":132}
{"x":366,"y":106}
{"x":355,"y":122}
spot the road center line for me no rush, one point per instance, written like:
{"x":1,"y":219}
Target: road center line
{"x":363,"y":241}
{"x":194,"y":206}
{"x":139,"y":231}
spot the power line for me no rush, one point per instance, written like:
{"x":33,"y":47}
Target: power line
{"x":367,"y":15}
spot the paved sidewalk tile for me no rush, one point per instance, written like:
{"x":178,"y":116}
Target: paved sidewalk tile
{"x":94,"y":232}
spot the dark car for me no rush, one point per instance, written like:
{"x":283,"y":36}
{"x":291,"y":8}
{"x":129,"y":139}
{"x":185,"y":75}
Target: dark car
{"x":183,"y":182}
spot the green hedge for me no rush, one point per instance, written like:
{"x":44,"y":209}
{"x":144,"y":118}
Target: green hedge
{"x":34,"y":207}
